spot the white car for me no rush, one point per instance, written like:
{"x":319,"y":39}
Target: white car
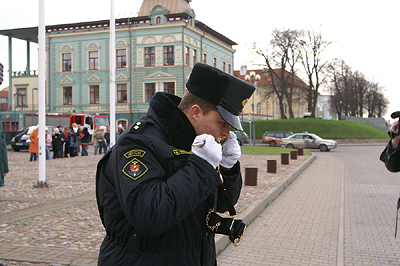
{"x":309,"y":141}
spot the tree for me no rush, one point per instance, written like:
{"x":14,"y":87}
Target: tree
{"x":352,"y":94}
{"x":283,"y":56}
{"x":312,"y":47}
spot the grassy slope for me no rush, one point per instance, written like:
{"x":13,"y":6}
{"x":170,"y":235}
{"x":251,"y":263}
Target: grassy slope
{"x":332,"y":129}
{"x":248,"y":149}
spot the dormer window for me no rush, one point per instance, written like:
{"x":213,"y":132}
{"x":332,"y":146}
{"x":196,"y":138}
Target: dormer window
{"x":158,"y":20}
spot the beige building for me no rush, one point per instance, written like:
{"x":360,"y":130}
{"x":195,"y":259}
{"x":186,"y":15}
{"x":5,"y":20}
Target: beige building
{"x":267,"y":108}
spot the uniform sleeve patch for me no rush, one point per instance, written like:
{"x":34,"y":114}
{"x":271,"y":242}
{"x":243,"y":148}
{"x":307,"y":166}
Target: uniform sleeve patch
{"x":135,"y":169}
{"x":181,"y":152}
{"x":132,"y":153}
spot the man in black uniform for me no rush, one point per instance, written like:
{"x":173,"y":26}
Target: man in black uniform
{"x":167,"y":175}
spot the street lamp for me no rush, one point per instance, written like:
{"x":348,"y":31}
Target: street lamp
{"x":254,"y":78}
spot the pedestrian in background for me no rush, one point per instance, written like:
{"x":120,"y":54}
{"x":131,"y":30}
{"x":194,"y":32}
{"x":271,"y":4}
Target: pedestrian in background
{"x":57,"y":144}
{"x":78,"y":133}
{"x":84,"y":139}
{"x":34,"y":146}
{"x":62,"y":139}
{"x":3,"y":157}
{"x":120,"y":129}
{"x":73,"y":142}
{"x":66,"y":143}
{"x":49,"y":140}
{"x":95,"y":140}
{"x":102,"y":141}
{"x":107,"y":139}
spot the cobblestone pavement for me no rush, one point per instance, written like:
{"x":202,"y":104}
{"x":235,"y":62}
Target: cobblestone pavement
{"x":59,"y":225}
{"x":340,"y":211}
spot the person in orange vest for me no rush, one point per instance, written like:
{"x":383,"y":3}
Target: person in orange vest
{"x":34,"y":146}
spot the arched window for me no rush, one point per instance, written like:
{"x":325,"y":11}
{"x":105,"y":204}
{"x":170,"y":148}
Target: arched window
{"x":158,"y":20}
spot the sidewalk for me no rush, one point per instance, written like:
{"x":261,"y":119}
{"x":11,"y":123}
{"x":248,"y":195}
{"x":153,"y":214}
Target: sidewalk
{"x":60,"y":225}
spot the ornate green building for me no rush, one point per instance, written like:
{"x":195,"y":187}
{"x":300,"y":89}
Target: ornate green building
{"x":155,"y":51}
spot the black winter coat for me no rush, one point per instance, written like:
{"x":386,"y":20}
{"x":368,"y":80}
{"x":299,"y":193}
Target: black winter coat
{"x":153,"y":195}
{"x":57,"y":142}
{"x":84,"y":136}
{"x":391,"y":157}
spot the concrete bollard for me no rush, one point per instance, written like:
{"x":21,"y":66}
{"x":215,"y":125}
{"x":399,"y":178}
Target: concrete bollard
{"x":271,"y":166}
{"x":284,"y":158}
{"x":300,"y":151}
{"x":293,"y":155}
{"x":250,"y":176}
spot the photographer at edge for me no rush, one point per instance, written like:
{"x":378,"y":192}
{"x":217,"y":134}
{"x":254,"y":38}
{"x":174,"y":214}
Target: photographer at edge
{"x":391,"y":154}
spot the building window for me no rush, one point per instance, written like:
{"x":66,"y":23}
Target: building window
{"x":258,"y":108}
{"x":67,"y":91}
{"x":150,"y":89}
{"x":122,"y":93}
{"x":224,"y":66}
{"x":215,"y":62}
{"x":21,"y":97}
{"x":149,"y":56}
{"x":158,"y":20}
{"x":67,"y":62}
{"x":121,"y":58}
{"x":169,"y":56}
{"x":194,"y":56}
{"x":94,"y":60}
{"x":204,"y":58}
{"x":187,"y":61}
{"x":229,"y":68}
{"x":94,"y":94}
{"x":169,"y":87}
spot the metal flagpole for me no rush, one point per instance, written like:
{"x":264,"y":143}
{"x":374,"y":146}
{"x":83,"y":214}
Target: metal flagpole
{"x":42,"y":96}
{"x":112,"y":76}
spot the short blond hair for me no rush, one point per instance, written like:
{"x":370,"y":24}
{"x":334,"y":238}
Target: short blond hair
{"x":189,"y":99}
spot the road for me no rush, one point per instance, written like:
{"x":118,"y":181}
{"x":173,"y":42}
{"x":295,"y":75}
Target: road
{"x":340,"y":211}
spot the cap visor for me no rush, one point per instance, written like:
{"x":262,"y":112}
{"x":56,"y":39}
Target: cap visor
{"x":232,"y":120}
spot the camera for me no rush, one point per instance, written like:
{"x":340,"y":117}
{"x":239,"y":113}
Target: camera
{"x":396,"y":132}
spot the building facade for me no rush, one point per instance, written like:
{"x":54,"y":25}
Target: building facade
{"x":266,"y":106}
{"x":155,"y":51}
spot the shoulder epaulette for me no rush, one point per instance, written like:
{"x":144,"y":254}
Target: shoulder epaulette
{"x":139,"y":126}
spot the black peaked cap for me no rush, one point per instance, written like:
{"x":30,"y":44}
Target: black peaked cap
{"x":228,"y":93}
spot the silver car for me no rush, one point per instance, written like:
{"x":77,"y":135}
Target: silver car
{"x":309,"y":141}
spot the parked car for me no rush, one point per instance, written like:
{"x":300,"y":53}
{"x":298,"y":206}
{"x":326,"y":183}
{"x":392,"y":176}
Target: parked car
{"x":242,"y":137}
{"x":274,"y":138}
{"x":21,"y":141}
{"x":310,"y":141}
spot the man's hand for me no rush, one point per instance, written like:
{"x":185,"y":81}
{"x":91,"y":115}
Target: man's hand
{"x":231,"y":151}
{"x":210,"y":151}
{"x":396,"y":140}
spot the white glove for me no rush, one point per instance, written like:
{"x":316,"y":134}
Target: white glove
{"x":231,"y":151}
{"x":211,"y":151}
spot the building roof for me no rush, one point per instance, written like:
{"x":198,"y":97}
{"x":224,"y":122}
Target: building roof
{"x":266,"y":81}
{"x":176,"y":8}
{"x":4,"y":94}
{"x":173,"y":6}
{"x":26,"y":34}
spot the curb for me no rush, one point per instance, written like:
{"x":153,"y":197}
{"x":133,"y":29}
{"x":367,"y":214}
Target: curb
{"x":221,"y":241}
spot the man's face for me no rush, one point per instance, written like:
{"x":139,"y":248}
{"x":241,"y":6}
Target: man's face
{"x":211,"y":123}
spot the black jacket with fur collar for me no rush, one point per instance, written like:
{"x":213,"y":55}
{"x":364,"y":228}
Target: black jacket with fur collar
{"x":153,"y":195}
